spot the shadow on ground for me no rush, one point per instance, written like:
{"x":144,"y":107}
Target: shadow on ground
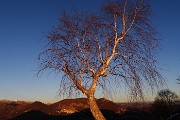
{"x":84,"y":115}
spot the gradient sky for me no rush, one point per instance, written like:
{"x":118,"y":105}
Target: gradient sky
{"x":23,"y":24}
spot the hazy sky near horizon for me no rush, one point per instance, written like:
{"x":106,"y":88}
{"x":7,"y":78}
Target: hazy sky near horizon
{"x":23,"y":28}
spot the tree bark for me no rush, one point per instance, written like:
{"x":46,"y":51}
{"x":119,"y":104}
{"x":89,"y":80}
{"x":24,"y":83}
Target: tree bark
{"x":95,"y":109}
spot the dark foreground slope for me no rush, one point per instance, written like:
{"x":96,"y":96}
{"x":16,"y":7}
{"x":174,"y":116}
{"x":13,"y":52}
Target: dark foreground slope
{"x":84,"y":115}
{"x":11,"y":109}
{"x":76,"y":109}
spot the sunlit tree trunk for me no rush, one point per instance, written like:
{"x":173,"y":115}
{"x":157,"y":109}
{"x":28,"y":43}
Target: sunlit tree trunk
{"x":95,"y":109}
{"x":92,"y":101}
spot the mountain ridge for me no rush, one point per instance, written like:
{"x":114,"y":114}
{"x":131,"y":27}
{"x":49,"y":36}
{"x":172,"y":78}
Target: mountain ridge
{"x":72,"y":108}
{"x":10,"y":109}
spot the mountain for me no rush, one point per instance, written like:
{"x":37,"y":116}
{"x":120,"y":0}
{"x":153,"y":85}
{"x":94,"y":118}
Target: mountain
{"x":38,"y":106}
{"x":11,"y":109}
{"x":76,"y":109}
{"x":66,"y":109}
{"x":69,"y":106}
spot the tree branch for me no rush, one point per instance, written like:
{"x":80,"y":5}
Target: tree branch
{"x":74,"y":79}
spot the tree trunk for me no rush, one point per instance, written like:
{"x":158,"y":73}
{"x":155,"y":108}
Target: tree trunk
{"x":95,"y":109}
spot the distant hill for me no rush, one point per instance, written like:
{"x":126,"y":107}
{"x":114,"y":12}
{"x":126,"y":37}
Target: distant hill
{"x":11,"y":109}
{"x":67,"y":109}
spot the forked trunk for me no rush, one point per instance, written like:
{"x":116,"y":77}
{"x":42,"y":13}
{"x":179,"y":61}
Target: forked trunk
{"x":95,"y":109}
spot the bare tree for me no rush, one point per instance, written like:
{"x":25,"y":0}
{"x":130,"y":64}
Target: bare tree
{"x":164,"y":102}
{"x":116,"y":45}
{"x":167,"y":96}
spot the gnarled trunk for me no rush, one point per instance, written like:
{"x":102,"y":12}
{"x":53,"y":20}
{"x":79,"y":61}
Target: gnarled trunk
{"x":95,"y":109}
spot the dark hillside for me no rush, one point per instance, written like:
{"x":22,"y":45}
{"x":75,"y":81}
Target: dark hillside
{"x":82,"y":115}
{"x":77,"y":109}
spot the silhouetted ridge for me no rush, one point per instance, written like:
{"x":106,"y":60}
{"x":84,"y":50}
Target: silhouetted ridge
{"x":82,"y":115}
{"x":71,"y":109}
{"x":107,"y":104}
{"x":136,"y":115}
{"x":32,"y":115}
{"x":38,"y":106}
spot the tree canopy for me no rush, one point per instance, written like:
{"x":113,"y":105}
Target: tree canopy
{"x":116,"y":45}
{"x":164,"y":104}
{"x":166,"y":96}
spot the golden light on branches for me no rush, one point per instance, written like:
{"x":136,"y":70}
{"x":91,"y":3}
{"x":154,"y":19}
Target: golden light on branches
{"x":92,"y":49}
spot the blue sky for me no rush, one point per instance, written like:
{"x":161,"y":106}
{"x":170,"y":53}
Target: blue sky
{"x":23,"y":24}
